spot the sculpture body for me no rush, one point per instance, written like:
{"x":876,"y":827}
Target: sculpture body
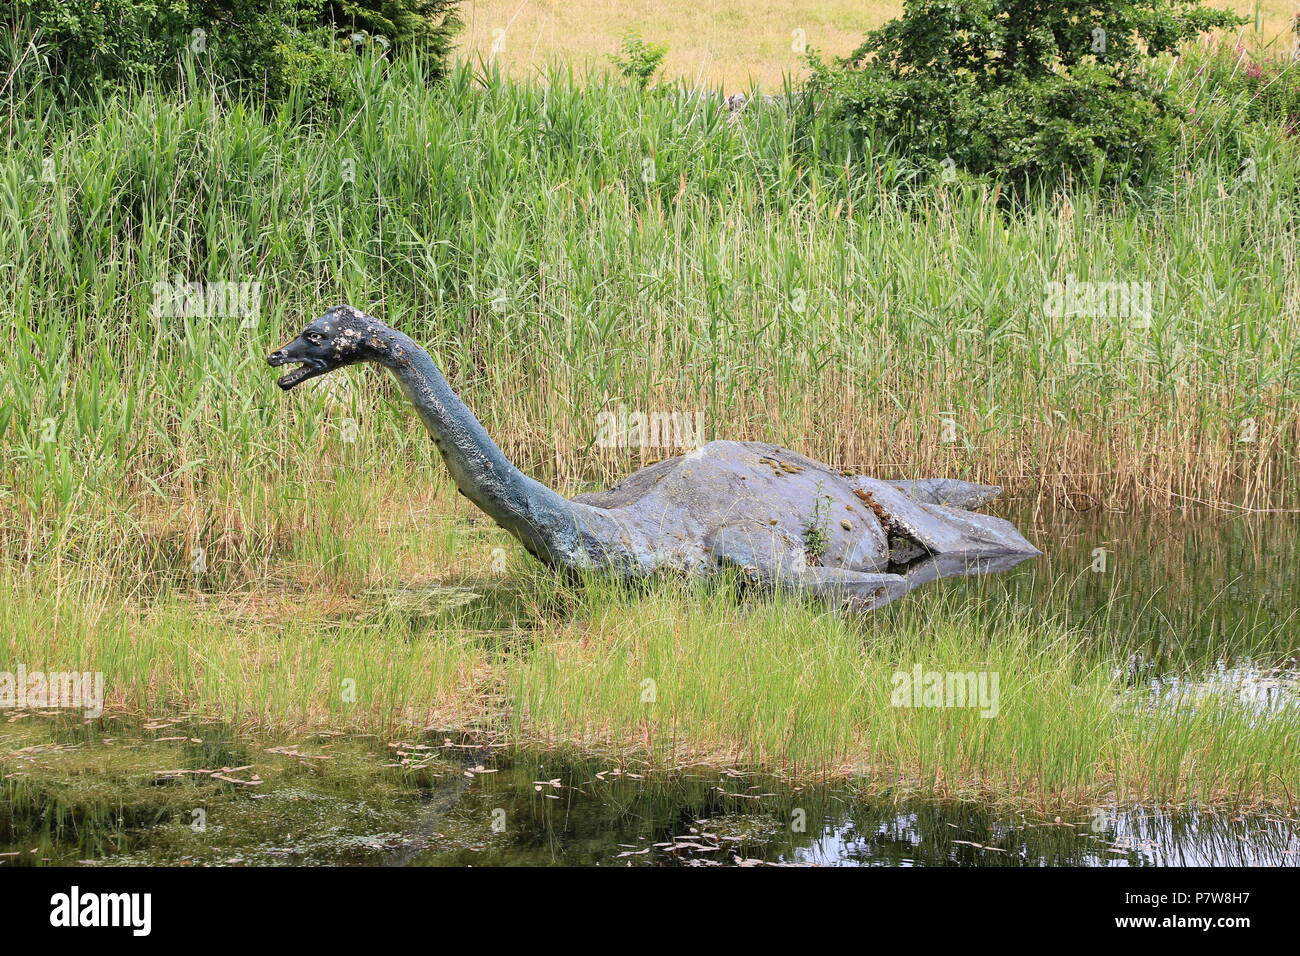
{"x":780,"y":519}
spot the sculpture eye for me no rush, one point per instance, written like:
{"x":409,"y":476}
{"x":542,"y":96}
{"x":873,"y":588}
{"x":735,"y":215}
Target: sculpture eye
{"x":313,"y":337}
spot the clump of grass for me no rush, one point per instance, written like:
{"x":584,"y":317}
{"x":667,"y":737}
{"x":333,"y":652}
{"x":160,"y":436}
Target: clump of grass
{"x":677,"y":679}
{"x":816,"y":534}
{"x":676,"y":675}
{"x":286,"y":668}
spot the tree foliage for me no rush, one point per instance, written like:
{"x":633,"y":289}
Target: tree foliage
{"x":1019,"y":90}
{"x":277,"y":45}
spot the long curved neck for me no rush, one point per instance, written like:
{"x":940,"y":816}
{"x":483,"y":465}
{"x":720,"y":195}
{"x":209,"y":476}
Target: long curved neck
{"x":543,"y":521}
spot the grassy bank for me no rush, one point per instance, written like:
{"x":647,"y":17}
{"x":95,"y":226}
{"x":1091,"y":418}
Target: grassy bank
{"x":672,"y":678}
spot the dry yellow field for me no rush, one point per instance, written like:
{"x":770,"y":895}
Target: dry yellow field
{"x":722,"y":43}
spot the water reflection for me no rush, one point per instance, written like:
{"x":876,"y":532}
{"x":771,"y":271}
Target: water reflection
{"x":1182,"y":595}
{"x":1253,"y":687}
{"x":338,"y":801}
{"x":970,"y":836}
{"x":936,"y":567}
{"x":712,"y":820}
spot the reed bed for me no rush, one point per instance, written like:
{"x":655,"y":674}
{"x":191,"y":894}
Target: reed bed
{"x":570,"y":249}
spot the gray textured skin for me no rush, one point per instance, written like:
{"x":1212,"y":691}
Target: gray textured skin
{"x":742,"y":505}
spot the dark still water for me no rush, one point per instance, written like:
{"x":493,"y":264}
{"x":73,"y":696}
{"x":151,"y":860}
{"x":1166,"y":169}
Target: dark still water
{"x":338,"y":804}
{"x":1173,"y":596}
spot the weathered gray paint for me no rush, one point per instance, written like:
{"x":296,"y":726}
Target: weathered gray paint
{"x":742,"y":505}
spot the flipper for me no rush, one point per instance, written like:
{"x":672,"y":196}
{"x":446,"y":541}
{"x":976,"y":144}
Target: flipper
{"x":938,"y":528}
{"x":852,"y":590}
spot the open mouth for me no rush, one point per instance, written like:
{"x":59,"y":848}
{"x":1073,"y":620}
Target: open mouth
{"x":298,"y":375}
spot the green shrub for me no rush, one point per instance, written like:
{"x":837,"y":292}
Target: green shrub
{"x":1019,"y":90}
{"x":274,"y":45}
{"x":107,"y":40}
{"x":637,"y":60}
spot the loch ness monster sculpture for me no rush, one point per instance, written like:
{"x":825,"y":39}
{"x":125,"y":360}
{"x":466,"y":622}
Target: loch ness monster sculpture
{"x":779,"y":519}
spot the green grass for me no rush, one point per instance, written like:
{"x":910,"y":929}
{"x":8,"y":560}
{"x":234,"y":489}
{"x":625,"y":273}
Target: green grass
{"x":783,"y":686}
{"x":168,"y":517}
{"x":678,"y":677}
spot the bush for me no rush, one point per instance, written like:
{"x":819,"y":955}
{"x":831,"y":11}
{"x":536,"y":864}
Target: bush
{"x":637,"y":60}
{"x":277,"y":45}
{"x":1019,"y":90}
{"x":108,"y":40}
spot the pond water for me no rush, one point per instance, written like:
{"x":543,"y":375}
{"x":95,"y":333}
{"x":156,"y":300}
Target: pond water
{"x":1181,"y":603}
{"x":343,"y":801}
{"x":1205,"y":597}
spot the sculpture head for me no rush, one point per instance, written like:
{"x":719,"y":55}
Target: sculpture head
{"x":342,"y":336}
